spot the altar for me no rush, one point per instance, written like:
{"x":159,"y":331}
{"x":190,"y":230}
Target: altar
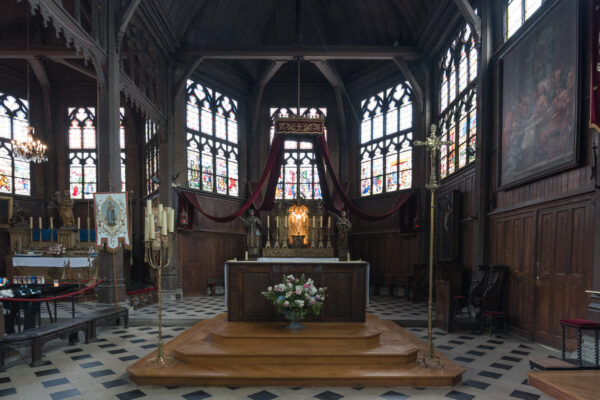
{"x":347,"y":285}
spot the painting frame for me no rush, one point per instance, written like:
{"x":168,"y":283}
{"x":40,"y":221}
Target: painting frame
{"x":6,"y":211}
{"x":447,"y":222}
{"x":539,"y":134}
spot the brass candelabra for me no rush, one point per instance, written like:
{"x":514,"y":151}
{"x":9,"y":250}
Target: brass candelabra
{"x":158,"y":251}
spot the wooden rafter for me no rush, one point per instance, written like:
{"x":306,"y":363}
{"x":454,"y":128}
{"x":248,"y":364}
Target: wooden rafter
{"x":126,"y":17}
{"x":260,"y":88}
{"x":467,"y":11}
{"x":186,"y":75}
{"x":404,"y":68}
{"x":74,"y":66}
{"x":42,"y":77}
{"x":309,"y":53}
{"x":338,"y":87}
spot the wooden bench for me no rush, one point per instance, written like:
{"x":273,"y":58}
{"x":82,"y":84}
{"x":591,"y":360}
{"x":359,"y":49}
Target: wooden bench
{"x":108,"y":314}
{"x":42,"y":334}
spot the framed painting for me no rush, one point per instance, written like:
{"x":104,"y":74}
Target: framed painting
{"x":6,"y":210}
{"x":447,"y":224}
{"x":539,"y":98}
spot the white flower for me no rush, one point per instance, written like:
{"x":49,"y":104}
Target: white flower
{"x":313,"y":290}
{"x":300,"y":303}
{"x":286,"y":303}
{"x":270,"y":289}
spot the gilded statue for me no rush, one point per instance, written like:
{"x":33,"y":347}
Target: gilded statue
{"x":65,"y":209}
{"x":253,"y":225}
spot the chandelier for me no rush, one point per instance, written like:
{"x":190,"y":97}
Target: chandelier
{"x":28,"y":148}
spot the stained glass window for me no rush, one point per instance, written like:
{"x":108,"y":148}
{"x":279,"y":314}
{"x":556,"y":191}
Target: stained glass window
{"x":150,"y":156}
{"x":519,"y":11}
{"x":83,"y":158}
{"x":386,"y":135}
{"x":14,"y":174}
{"x":212,"y":140}
{"x":458,"y":103}
{"x":299,"y":175}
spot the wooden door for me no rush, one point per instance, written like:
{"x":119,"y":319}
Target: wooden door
{"x":563,"y":267}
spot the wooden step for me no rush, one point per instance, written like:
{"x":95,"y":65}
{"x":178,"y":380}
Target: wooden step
{"x":206,"y":352}
{"x":276,"y":334}
{"x":329,"y":357}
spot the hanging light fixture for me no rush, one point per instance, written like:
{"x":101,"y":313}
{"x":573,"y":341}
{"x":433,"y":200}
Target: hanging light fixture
{"x":28,"y":148}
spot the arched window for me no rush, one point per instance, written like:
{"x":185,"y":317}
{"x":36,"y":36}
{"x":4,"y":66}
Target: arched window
{"x":298,"y":172}
{"x":517,"y":12}
{"x":386,"y":135}
{"x":83,"y":157}
{"x":14,"y":174}
{"x":212,"y":140}
{"x":458,"y":103}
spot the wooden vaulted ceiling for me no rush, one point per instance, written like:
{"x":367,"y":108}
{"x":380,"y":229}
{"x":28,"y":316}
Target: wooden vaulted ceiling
{"x":255,"y":23}
{"x":273,"y":22}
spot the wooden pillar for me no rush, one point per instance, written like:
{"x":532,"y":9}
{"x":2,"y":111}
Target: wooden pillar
{"x":109,"y":155}
{"x":485,"y":106}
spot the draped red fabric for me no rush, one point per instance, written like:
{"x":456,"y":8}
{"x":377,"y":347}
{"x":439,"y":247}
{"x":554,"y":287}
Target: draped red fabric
{"x":322,"y":153}
{"x":272,"y":171}
{"x":595,"y":58}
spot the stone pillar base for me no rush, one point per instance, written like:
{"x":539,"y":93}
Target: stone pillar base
{"x":169,"y":295}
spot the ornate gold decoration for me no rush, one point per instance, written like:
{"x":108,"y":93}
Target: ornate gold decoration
{"x":299,"y":125}
{"x":298,"y":222}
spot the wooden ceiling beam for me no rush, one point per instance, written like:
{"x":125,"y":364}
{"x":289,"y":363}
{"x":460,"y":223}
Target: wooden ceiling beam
{"x":74,"y":66}
{"x":126,"y":17}
{"x":338,"y":87}
{"x":8,"y":52}
{"x":309,"y":53}
{"x":403,"y":66}
{"x":468,"y":13}
{"x":260,"y":89}
{"x":42,"y":77}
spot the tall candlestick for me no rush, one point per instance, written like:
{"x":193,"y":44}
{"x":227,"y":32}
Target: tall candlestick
{"x":328,"y":222}
{"x":51,"y":223}
{"x":285,"y":222}
{"x":40,"y":219}
{"x":314,"y":222}
{"x":31,"y":222}
{"x":268,"y":221}
{"x":277,"y":221}
{"x":88,"y":224}
{"x":78,"y":223}
{"x":320,"y":221}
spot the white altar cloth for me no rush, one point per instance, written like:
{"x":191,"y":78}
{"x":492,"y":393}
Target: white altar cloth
{"x":57,"y":262}
{"x":297,"y":260}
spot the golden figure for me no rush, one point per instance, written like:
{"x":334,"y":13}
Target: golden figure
{"x":65,"y":209}
{"x":298,"y":221}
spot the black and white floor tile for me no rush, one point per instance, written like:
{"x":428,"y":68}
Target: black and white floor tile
{"x":495,"y":366}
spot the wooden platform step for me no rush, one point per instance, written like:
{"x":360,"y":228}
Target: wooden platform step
{"x":195,"y":358}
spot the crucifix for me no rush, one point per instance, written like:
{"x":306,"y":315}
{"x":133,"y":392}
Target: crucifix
{"x":432,"y":145}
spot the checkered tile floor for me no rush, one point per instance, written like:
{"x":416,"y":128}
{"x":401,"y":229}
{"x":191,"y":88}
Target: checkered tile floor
{"x":495,"y":367}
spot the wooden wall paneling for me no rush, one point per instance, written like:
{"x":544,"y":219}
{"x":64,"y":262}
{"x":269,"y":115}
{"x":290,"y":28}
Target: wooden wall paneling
{"x":512,"y":243}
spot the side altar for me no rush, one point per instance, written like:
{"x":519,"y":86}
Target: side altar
{"x":347,"y":285}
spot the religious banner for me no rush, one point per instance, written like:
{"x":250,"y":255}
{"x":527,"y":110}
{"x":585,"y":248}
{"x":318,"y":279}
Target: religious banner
{"x":595,"y":70}
{"x":300,"y":125}
{"x":112,"y":222}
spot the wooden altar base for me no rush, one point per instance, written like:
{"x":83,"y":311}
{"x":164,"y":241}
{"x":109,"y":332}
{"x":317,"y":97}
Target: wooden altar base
{"x":220,"y":353}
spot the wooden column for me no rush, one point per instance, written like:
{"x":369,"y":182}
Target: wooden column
{"x":109,"y":156}
{"x":484,"y":137}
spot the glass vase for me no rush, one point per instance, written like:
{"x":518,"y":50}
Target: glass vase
{"x":294,"y":317}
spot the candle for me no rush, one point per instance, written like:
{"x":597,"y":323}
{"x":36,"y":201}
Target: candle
{"x":285,"y":222}
{"x":171,"y":219}
{"x":348,"y":257}
{"x":328,"y":222}
{"x":160,"y":209}
{"x":268,"y":221}
{"x":88,"y":223}
{"x":314,"y":222}
{"x":163,"y":223}
{"x":246,"y":256}
{"x":51,"y":223}
{"x":320,"y":221}
{"x":31,"y":222}
{"x":277,"y":221}
{"x":149,"y":205}
{"x":40,"y":219}
{"x":56,"y":283}
{"x":78,"y":223}
{"x":151,"y":229}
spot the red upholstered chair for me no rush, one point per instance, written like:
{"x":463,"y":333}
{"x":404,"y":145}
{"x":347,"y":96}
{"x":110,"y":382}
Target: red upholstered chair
{"x":459,"y":303}
{"x":494,"y":318}
{"x":580,"y":325}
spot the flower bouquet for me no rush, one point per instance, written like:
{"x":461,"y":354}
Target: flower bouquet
{"x":57,"y":250}
{"x":295,"y":297}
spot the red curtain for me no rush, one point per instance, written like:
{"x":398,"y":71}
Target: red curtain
{"x":336,"y":202}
